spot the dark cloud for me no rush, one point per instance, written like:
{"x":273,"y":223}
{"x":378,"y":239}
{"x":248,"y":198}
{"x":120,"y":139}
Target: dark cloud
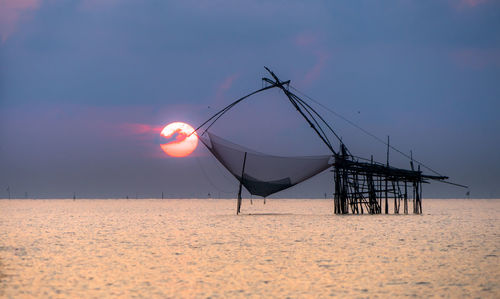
{"x":86,"y":85}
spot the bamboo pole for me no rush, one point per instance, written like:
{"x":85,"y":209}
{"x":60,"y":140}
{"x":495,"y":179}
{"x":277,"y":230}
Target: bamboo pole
{"x":238,"y":206}
{"x":406,"y":198}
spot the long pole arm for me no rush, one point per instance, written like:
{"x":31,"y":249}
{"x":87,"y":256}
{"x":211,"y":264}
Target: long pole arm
{"x":221,"y":112}
{"x":291,"y":97}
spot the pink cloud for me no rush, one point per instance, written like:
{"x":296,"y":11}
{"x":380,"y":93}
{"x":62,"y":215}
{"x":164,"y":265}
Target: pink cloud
{"x":472,"y":3}
{"x":138,"y":129}
{"x":125,"y":131}
{"x":305,"y":39}
{"x":463,"y":5}
{"x":224,"y":86}
{"x":314,"y":73}
{"x":12,"y":12}
{"x":144,"y":137}
{"x":477,"y":58}
{"x":311,"y":43}
{"x":96,"y":5}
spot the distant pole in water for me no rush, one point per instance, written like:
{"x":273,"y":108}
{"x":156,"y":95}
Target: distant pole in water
{"x":74,"y":196}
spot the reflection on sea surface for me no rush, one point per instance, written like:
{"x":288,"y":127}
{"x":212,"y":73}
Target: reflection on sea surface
{"x":199,"y":248}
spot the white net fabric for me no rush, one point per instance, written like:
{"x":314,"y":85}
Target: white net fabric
{"x":264,"y":174}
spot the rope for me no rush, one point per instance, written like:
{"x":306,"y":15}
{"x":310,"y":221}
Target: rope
{"x":208,"y":177}
{"x":364,"y":131}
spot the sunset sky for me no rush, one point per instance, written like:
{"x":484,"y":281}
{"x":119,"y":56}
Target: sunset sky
{"x":87,"y":86}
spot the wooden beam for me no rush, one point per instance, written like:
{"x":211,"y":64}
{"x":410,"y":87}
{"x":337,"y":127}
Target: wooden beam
{"x":238,"y":206}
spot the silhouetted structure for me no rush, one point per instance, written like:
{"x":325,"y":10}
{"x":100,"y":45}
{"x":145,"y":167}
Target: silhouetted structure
{"x":360,"y":186}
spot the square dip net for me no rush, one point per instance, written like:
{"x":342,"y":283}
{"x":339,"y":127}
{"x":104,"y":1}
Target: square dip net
{"x":263,"y":174}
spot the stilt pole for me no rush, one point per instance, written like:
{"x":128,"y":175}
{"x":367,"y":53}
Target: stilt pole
{"x":238,"y":206}
{"x":386,"y":177}
{"x":406,"y":198}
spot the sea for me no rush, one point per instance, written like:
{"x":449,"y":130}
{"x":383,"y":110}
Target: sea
{"x":285,"y":248}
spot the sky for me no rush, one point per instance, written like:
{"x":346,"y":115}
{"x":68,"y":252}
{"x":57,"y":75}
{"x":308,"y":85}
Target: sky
{"x":87,"y":85}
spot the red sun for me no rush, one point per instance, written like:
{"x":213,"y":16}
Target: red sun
{"x":180,"y":139}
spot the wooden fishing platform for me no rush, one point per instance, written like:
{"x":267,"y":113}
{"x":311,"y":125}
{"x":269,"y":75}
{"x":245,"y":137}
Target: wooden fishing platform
{"x":362,"y":186}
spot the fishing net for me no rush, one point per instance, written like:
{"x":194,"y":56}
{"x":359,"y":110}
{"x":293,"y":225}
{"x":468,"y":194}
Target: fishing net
{"x":263,"y":174}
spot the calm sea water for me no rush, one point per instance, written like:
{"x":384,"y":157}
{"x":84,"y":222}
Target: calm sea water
{"x":287,"y":248}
